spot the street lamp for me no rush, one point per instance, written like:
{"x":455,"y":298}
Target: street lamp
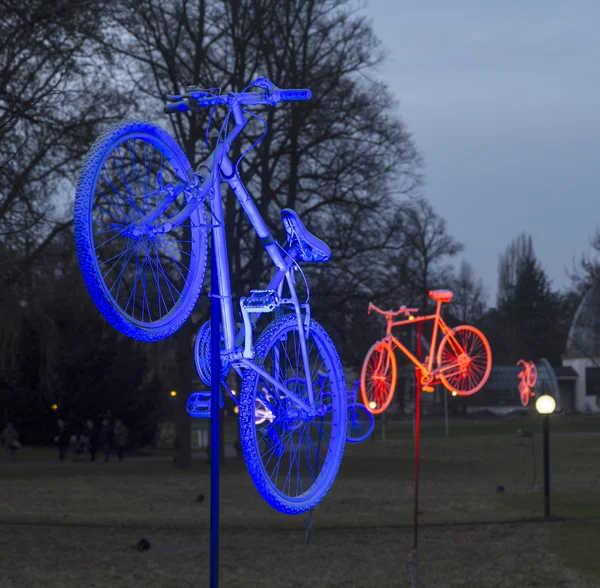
{"x":546,"y":405}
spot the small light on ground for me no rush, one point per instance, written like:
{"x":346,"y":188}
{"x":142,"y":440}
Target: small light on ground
{"x":372,"y":404}
{"x":54,"y":407}
{"x":454,"y":392}
{"x":236,"y":409}
{"x":173,"y":393}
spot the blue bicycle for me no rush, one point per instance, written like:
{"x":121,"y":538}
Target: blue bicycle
{"x":360,"y":420}
{"x":141,"y":237}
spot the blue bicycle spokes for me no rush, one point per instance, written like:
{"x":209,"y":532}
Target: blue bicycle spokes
{"x":295,"y":455}
{"x":146,"y":276}
{"x":143,"y":272}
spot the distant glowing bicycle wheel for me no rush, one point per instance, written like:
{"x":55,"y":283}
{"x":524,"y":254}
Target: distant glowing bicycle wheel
{"x":378,"y":377}
{"x":360,"y":423}
{"x":531,"y":375}
{"x":464,"y":360}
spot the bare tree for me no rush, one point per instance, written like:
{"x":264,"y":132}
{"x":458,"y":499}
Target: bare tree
{"x":342,"y":160}
{"x":517,"y":253}
{"x":48,"y":114}
{"x":585,"y":272}
{"x":426,"y":248}
{"x":469,"y":300}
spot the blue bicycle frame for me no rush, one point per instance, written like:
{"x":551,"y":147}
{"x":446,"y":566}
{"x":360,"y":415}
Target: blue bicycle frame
{"x":207,"y":183}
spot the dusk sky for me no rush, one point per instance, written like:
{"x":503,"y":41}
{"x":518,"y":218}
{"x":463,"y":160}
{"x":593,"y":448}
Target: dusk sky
{"x":503,"y":101}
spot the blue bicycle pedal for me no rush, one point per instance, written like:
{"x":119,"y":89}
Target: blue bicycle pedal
{"x":198,"y":404}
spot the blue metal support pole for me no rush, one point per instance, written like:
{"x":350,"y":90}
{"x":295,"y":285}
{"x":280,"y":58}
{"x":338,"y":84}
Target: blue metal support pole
{"x":215,"y":384}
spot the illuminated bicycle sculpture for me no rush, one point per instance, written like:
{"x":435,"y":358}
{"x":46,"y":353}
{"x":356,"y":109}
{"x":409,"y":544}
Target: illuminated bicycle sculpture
{"x":464,"y":357}
{"x":527,"y":379}
{"x":360,"y":420}
{"x":141,"y":237}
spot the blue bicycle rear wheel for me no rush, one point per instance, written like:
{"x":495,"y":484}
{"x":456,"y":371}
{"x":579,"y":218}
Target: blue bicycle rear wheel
{"x":144,"y":275}
{"x":293,"y":457}
{"x":360,"y":423}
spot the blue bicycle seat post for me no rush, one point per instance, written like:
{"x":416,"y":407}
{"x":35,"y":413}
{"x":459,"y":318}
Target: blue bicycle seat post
{"x":215,"y":371}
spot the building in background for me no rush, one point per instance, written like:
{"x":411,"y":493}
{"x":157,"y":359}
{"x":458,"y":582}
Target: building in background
{"x":582,"y":353}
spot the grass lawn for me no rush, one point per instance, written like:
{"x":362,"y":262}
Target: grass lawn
{"x":74,"y":524}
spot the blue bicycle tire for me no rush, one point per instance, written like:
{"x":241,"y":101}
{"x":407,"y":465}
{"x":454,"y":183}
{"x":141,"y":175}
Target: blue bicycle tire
{"x":360,"y":425}
{"x":202,"y":355}
{"x":183,"y":284}
{"x":332,"y":394}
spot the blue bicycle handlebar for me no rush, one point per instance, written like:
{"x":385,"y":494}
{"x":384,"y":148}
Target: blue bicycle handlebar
{"x":179,"y":106}
{"x":293,"y":94}
{"x":204,"y":98}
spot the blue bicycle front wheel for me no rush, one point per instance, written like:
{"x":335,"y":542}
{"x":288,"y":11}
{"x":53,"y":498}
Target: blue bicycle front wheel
{"x":360,"y":423}
{"x":293,"y":457}
{"x":143,"y":274}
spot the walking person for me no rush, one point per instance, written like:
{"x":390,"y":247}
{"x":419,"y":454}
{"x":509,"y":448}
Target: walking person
{"x":105,"y":439}
{"x":83,"y":443}
{"x":120,"y":438}
{"x":92,"y":435}
{"x":10,"y":440}
{"x":62,"y":439}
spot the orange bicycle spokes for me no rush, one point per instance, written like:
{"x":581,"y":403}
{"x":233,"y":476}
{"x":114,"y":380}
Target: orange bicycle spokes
{"x":378,"y":378}
{"x":464,"y":360}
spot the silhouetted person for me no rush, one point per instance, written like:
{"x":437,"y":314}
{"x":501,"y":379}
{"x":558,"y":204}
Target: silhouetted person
{"x":105,"y":438}
{"x":62,"y":439}
{"x":83,"y":442}
{"x":92,"y":435}
{"x":10,"y":440}
{"x":120,"y":438}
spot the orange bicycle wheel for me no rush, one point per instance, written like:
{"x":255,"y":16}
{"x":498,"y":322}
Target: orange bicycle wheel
{"x":464,"y":360}
{"x":531,"y":377}
{"x":378,"y":377}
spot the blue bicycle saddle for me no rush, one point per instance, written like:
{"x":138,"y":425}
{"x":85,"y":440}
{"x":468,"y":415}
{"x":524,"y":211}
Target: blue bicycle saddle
{"x":310,"y":248}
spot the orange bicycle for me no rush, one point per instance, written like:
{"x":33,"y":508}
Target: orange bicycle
{"x":528,"y":378}
{"x":464,"y":357}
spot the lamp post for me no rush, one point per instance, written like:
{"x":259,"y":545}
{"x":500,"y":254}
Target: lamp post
{"x":546,"y":405}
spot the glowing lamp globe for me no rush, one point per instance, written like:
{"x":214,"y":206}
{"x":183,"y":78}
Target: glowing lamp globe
{"x":236,"y":409}
{"x":372,"y":404}
{"x":54,"y":407}
{"x":545,"y":404}
{"x":173,"y":393}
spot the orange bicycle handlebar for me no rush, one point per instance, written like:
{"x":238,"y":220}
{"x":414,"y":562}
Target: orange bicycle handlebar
{"x":391,"y":313}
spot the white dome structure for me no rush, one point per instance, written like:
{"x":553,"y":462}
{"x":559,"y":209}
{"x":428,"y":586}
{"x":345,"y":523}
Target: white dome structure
{"x":582,"y":352}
